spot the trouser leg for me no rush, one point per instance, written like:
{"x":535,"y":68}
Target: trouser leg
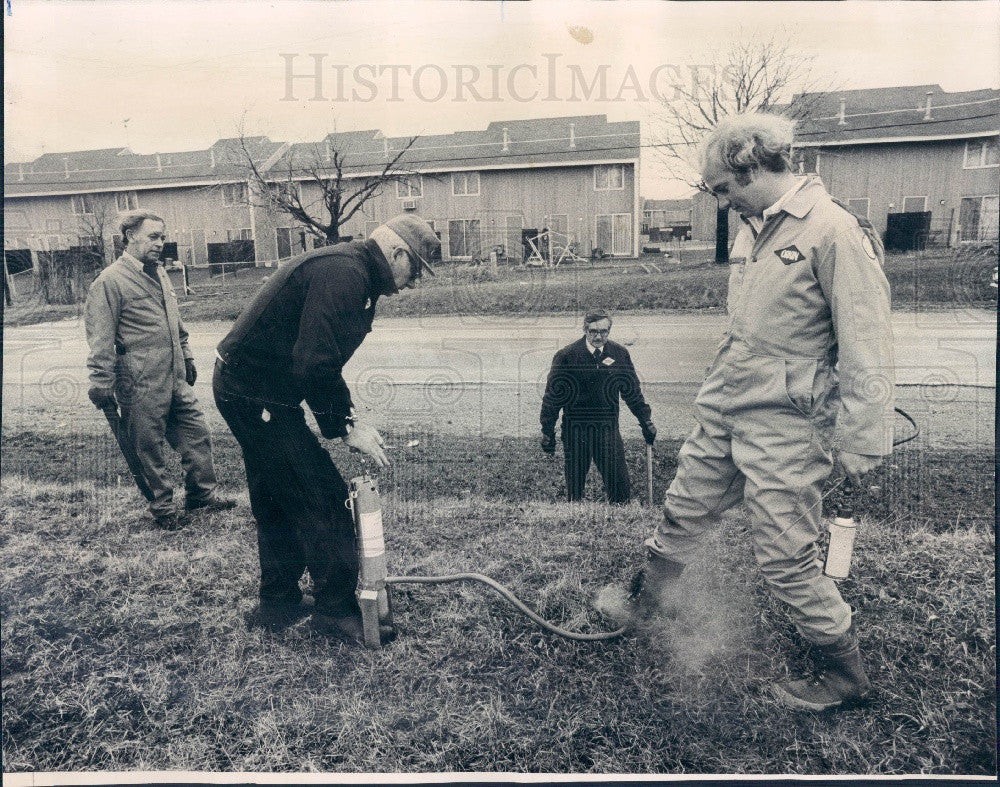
{"x":785,"y":467}
{"x":279,"y":549}
{"x":609,"y":456}
{"x":145,"y":430}
{"x":187,"y":432}
{"x":707,"y":483}
{"x":577,"y":455}
{"x":317,"y":501}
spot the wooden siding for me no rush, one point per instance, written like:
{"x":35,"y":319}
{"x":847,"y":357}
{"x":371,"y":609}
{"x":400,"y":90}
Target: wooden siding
{"x":197,"y":216}
{"x":531,"y":194}
{"x":885,"y":174}
{"x":194,"y":218}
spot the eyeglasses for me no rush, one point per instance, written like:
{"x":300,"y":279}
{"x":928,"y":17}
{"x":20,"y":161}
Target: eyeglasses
{"x":598,"y":332}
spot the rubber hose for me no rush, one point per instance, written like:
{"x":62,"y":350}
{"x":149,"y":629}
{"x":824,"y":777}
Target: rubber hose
{"x":524,"y":608}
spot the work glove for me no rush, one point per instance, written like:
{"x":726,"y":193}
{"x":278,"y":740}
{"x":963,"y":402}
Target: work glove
{"x":548,"y":443}
{"x":102,"y":398}
{"x":190,"y":373}
{"x":648,"y":431}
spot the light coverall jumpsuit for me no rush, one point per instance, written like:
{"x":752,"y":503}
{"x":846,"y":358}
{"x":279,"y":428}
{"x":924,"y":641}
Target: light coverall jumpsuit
{"x":805,"y":366}
{"x":138,"y":345}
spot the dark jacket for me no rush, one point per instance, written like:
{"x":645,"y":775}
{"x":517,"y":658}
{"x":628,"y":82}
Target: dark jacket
{"x":293,"y":339}
{"x":588,"y":391}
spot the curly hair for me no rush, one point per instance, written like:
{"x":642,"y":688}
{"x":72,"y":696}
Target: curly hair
{"x":754,"y":140}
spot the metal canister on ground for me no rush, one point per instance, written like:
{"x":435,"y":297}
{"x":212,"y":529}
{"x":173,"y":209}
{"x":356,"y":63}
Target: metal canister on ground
{"x":376,"y":613}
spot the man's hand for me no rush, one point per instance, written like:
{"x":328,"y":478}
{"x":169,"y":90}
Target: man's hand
{"x":102,"y":397}
{"x":648,"y":431}
{"x":856,"y":465}
{"x":190,"y":373}
{"x":367,"y":440}
{"x":549,"y":443}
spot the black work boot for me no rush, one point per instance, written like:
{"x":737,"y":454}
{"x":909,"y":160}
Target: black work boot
{"x":651,"y":592}
{"x":275,"y":615}
{"x":840,"y":679}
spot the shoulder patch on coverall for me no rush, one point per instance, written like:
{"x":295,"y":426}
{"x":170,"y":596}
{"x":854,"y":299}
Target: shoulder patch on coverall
{"x":866,"y":244}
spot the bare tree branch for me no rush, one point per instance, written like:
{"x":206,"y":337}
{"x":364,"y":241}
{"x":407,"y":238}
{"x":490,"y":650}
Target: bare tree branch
{"x":321,"y":170}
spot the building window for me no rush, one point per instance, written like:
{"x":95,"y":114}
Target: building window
{"x":244,"y":234}
{"x":83,"y":204}
{"x":609,"y":177}
{"x":978,"y":218}
{"x":808,"y":161}
{"x":286,"y":191}
{"x":126,"y":200}
{"x":858,"y":206}
{"x":914,"y":204}
{"x":465,"y":184}
{"x":614,"y":233}
{"x":289,"y":241}
{"x":463,"y":238}
{"x":409,"y":188}
{"x":234,"y":194}
{"x":981,"y":153}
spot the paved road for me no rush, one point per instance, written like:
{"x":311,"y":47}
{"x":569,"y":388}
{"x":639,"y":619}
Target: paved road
{"x":486,"y":374}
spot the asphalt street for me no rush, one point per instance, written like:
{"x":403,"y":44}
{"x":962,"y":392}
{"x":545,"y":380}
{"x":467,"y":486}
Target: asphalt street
{"x":485,"y":375}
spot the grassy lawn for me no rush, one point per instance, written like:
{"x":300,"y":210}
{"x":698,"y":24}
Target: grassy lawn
{"x":124,"y":648}
{"x":929,"y":280}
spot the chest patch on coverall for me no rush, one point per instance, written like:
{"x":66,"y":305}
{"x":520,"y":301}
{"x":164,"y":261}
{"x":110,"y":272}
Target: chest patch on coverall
{"x":790,"y":254}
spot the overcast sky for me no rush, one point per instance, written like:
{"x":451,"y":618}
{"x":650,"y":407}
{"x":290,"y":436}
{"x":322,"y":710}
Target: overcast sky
{"x":162,"y":76}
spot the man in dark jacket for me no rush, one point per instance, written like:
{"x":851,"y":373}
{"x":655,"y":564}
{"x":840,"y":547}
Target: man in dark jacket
{"x":290,"y":345}
{"x":585,"y":382}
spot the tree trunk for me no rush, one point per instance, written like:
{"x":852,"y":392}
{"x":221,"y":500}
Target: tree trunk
{"x":722,"y":236}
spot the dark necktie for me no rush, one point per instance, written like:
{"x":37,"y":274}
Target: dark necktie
{"x":597,"y":354}
{"x":149,"y":268}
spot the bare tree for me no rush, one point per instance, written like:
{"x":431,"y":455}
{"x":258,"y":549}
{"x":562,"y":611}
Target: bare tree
{"x":65,"y":274}
{"x":339,"y":195}
{"x":753,"y":75}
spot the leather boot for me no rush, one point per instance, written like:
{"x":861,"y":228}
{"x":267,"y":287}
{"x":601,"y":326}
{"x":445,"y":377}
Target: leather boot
{"x":839,"y":681}
{"x":651,"y":592}
{"x":653,"y":589}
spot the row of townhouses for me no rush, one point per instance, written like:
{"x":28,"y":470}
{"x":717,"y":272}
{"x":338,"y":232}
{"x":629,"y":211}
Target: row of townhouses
{"x":576,"y":177}
{"x":921,"y":163}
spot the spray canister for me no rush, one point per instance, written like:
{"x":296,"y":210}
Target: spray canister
{"x":842,"y":531}
{"x":366,"y":506}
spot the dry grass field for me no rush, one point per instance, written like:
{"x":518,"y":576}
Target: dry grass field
{"x":124,"y":648}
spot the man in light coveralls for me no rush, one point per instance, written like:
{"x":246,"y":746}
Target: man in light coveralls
{"x":803,"y":380}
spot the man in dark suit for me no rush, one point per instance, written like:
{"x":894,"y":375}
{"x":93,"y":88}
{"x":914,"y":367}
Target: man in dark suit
{"x":586,"y":380}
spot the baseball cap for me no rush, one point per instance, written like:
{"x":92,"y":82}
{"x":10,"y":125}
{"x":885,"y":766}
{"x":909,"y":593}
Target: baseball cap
{"x":416,"y":233}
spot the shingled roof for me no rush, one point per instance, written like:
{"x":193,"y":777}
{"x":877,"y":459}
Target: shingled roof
{"x":894,"y":114}
{"x":502,"y":145}
{"x":119,"y":169}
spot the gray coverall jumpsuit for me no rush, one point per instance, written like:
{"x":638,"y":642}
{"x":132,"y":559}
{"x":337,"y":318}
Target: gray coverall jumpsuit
{"x":138,"y":345}
{"x":805,"y":366}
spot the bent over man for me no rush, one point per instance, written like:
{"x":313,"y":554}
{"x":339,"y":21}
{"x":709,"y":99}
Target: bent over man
{"x":802,"y":380}
{"x":290,"y":345}
{"x":140,"y":361}
{"x":586,"y":380}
